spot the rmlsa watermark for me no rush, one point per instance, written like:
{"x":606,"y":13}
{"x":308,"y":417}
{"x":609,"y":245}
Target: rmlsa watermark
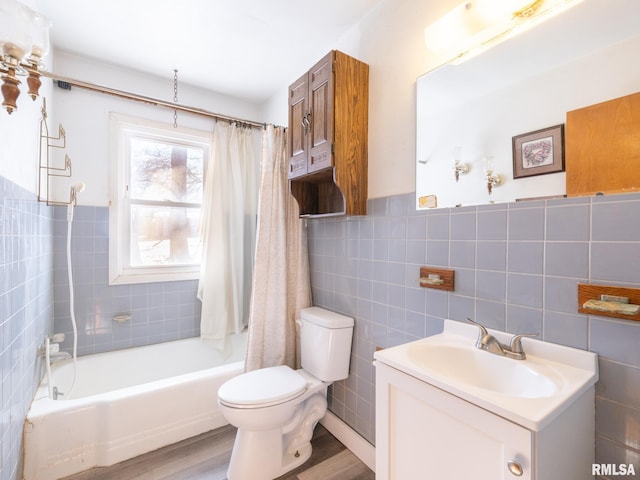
{"x":613,"y":469}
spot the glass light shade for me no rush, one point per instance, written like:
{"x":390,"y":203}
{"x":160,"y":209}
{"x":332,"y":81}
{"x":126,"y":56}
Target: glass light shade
{"x":469,"y":23}
{"x":40,"y":35}
{"x":479,"y":23}
{"x":15,"y":30}
{"x":488,"y":164}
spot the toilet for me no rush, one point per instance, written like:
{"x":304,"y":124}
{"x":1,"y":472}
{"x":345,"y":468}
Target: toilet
{"x":276,"y":409}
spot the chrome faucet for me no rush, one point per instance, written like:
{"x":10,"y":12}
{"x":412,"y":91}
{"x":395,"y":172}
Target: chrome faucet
{"x":53,"y":356}
{"x":491,"y":344}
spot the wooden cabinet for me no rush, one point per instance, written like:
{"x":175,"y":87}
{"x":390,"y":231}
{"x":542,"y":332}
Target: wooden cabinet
{"x":310,"y":119}
{"x":328,"y":135}
{"x":425,"y":432}
{"x":603,"y":147}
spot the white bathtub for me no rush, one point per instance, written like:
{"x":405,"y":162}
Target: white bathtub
{"x":126,"y":403}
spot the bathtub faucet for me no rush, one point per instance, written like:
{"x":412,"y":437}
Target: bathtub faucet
{"x":57,"y":356}
{"x":53,"y":356}
{"x":53,"y":346}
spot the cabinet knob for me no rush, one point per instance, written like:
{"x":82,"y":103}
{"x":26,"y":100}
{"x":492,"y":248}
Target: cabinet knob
{"x":515,"y":468}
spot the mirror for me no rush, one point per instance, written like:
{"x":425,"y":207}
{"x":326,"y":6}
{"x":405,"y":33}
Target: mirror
{"x":471,"y":112}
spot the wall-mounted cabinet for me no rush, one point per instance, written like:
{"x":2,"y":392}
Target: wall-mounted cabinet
{"x":603,"y":147}
{"x":328,"y":135}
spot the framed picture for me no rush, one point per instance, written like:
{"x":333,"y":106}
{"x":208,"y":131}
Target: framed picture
{"x":539,"y":152}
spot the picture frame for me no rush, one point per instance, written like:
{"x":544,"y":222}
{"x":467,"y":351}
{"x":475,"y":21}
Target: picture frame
{"x":538,"y":152}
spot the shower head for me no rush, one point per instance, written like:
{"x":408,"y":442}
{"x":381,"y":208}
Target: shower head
{"x":77,"y":188}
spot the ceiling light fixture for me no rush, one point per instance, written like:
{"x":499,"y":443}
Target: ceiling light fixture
{"x":476,"y":25}
{"x":24,"y":42}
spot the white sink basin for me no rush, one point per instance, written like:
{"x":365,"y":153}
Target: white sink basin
{"x":531,"y":392}
{"x":484,"y":370}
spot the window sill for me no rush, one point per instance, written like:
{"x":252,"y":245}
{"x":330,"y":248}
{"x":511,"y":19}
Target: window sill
{"x":136,"y":278}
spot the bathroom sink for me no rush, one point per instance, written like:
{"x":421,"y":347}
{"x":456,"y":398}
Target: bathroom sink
{"x":484,"y":370}
{"x":531,"y":392}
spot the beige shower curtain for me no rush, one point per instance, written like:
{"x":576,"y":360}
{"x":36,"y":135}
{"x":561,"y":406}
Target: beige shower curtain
{"x":281,"y":284}
{"x":228,"y":233}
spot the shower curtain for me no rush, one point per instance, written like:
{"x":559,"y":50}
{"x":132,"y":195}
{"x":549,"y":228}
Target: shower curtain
{"x":228,"y":233}
{"x":281,"y":284}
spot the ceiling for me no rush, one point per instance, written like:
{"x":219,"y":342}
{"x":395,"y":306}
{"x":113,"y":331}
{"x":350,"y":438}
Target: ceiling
{"x":243,"y":48}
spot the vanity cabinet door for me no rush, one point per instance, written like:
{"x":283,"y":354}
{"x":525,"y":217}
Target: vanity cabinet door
{"x":424,"y":432}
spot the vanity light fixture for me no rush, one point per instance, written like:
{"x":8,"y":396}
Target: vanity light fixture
{"x":24,"y":42}
{"x":459,"y":168}
{"x":491,"y":177}
{"x":476,"y":25}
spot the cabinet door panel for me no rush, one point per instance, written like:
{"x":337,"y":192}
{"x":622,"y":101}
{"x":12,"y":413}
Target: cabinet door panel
{"x":297,"y":133}
{"x":433,"y":435}
{"x":321,"y":98}
{"x":602,"y":153}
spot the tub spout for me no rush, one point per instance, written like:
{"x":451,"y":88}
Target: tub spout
{"x":55,"y":357}
{"x":55,"y":354}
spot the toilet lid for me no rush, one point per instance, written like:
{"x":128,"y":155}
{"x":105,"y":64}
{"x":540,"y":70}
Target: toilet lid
{"x":267,"y":386}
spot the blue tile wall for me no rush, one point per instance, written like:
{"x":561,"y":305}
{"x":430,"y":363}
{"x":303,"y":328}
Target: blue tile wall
{"x":26,"y":312}
{"x":160,"y":312}
{"x":34,"y":302}
{"x":517,"y":266}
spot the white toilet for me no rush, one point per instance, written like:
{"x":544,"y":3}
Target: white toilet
{"x":276,"y":409}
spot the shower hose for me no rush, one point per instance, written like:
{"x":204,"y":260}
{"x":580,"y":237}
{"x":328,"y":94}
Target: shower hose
{"x":72,"y":312}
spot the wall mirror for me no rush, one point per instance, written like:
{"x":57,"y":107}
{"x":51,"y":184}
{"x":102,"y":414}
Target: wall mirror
{"x":469,"y":115}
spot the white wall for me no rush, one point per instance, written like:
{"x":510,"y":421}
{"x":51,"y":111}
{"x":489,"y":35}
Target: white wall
{"x":484,"y":125}
{"x":85,"y":116}
{"x":20,"y":133}
{"x":19,"y":139}
{"x":391,"y":40}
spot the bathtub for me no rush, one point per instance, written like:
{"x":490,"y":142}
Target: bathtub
{"x":126,"y":403}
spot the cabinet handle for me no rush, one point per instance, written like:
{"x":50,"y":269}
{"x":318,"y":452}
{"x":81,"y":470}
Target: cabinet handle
{"x":515,"y":468}
{"x":306,"y":122}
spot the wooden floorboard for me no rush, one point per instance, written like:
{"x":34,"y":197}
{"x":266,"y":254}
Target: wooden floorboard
{"x":206,"y":457}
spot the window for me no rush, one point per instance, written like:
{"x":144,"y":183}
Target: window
{"x":156,"y":193}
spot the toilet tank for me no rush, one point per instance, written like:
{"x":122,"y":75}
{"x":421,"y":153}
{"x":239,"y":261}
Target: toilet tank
{"x":325,"y":343}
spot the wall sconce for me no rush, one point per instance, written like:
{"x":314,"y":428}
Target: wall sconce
{"x":24,"y":42}
{"x":459,"y":168}
{"x":475,"y":25}
{"x":493,"y":179}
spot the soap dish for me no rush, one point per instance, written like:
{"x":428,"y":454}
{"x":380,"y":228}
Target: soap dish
{"x":613,"y":307}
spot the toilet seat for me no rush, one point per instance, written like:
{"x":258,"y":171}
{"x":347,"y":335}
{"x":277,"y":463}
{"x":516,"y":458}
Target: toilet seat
{"x":262,"y":388}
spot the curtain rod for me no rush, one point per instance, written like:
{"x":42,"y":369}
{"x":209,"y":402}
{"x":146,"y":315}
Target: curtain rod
{"x":153,"y":101}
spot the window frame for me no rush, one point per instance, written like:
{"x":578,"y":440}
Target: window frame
{"x":122,"y":128}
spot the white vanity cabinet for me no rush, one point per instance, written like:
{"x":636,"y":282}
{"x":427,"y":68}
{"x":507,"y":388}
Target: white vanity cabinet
{"x":425,"y":433}
{"x":430,"y":425}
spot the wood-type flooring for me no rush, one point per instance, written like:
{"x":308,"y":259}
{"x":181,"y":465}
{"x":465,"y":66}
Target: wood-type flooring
{"x":206,"y":457}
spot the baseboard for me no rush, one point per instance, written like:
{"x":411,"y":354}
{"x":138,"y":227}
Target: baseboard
{"x":360,"y":447}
